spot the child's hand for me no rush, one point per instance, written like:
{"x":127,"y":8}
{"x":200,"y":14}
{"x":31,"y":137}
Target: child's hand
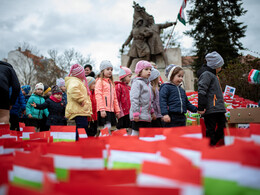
{"x":153,"y":117}
{"x":29,"y":116}
{"x":103,"y":114}
{"x":166,"y":118}
{"x":202,"y":112}
{"x":136,"y":119}
{"x":118,"y":115}
{"x":33,"y":105}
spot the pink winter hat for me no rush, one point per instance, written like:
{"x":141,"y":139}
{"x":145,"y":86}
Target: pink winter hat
{"x":77,"y":71}
{"x":141,"y":65}
{"x":123,"y":72}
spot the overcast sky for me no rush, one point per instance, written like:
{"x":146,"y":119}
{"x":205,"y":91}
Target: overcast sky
{"x":96,"y":27}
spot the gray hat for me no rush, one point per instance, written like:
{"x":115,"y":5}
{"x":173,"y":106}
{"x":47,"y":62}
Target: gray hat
{"x":169,"y":70}
{"x":105,"y":64}
{"x":214,"y":60}
{"x":154,"y":74}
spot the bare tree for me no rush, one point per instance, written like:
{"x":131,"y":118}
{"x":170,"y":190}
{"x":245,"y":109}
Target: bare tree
{"x":68,"y":58}
{"x":23,"y":62}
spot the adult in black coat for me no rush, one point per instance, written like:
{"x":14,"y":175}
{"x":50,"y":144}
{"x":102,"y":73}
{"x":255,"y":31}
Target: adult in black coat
{"x":8,"y":79}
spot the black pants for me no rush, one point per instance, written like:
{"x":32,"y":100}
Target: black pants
{"x":140,"y":124}
{"x":123,"y":122}
{"x":177,"y":120}
{"x":215,"y":124}
{"x":14,"y":121}
{"x":156,"y":123}
{"x":92,"y":128}
{"x":81,"y":122}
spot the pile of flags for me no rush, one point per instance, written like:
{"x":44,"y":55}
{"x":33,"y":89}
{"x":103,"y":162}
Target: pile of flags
{"x":161,"y":160}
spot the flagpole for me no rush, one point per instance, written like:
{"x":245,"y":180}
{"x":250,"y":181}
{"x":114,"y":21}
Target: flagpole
{"x":171,"y":35}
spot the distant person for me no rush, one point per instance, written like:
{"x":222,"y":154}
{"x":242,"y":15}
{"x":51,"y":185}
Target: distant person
{"x":154,"y":83}
{"x":123,"y":97}
{"x":173,"y":99}
{"x":35,"y":116}
{"x":26,"y":90}
{"x":107,"y":104}
{"x":141,"y":111}
{"x":61,"y":84}
{"x":8,"y":78}
{"x":17,"y":108}
{"x":210,"y":97}
{"x":92,"y":120}
{"x":79,"y":104}
{"x":56,"y":107}
{"x":88,"y":71}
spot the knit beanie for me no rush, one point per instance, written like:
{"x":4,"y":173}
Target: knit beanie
{"x":60,"y":82}
{"x":105,"y":64}
{"x":142,"y":65}
{"x":46,"y":89}
{"x":39,"y":86}
{"x":79,"y":72}
{"x":55,"y":89}
{"x":214,"y":60}
{"x":154,"y":74}
{"x":169,"y":70}
{"x":90,"y":80}
{"x":26,"y":88}
{"x":123,"y":72}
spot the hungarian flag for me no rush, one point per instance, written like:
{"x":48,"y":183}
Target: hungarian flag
{"x":181,"y":15}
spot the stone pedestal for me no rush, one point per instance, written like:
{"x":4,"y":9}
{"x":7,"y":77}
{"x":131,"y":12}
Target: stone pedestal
{"x":174,"y":57}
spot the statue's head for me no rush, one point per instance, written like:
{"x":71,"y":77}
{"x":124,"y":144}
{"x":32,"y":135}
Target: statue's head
{"x":139,"y":22}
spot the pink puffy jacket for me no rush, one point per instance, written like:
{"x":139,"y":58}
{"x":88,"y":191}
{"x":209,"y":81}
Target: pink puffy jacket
{"x":106,"y":96}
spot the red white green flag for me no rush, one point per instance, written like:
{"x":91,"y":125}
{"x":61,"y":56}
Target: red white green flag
{"x":181,"y":15}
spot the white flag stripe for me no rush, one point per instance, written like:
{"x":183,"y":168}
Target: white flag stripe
{"x":193,"y":155}
{"x":69,"y":162}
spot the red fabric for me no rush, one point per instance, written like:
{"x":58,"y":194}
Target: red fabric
{"x":55,"y":99}
{"x":94,"y":106}
{"x":123,"y":97}
{"x":161,"y":80}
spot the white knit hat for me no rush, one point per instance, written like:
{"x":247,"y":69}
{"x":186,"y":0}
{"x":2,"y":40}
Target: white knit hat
{"x":105,"y":64}
{"x":39,"y":86}
{"x":214,"y":60}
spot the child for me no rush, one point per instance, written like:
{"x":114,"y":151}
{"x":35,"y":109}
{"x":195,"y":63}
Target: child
{"x":26,"y":90}
{"x":107,"y":104}
{"x":123,"y":97}
{"x":61,"y":84}
{"x":173,"y":100}
{"x":154,"y":83}
{"x":92,"y":121}
{"x":79,"y":103}
{"x":141,"y":111}
{"x":17,"y":108}
{"x":210,"y":97}
{"x":34,"y":115}
{"x":56,"y":107}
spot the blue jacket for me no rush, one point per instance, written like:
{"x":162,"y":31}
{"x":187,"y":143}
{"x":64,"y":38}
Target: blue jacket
{"x":19,"y":104}
{"x":38,"y":114}
{"x":173,"y":99}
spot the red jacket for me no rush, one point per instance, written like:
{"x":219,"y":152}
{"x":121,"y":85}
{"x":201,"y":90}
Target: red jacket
{"x":94,"y":107}
{"x":123,"y":97}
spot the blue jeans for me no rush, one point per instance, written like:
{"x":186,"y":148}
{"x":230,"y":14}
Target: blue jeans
{"x":81,"y":122}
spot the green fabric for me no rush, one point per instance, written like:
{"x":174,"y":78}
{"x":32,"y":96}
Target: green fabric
{"x":26,"y":183}
{"x":63,"y":140}
{"x":62,"y":174}
{"x":125,"y":165}
{"x":214,"y":186}
{"x":181,"y":19}
{"x":256,"y":77}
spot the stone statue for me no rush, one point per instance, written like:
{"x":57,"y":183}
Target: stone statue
{"x":147,"y":43}
{"x":139,"y":47}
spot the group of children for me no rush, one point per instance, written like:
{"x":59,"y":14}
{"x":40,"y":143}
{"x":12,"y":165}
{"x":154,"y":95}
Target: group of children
{"x":97,"y":103}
